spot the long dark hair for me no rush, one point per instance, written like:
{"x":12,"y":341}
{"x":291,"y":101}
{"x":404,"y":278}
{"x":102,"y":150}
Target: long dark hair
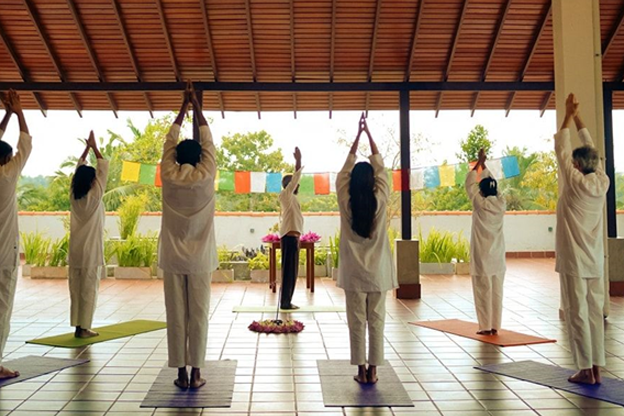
{"x":82,"y":181}
{"x":362,"y":199}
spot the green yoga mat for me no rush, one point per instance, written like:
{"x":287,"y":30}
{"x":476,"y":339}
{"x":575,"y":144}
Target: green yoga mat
{"x":309,"y":308}
{"x":107,"y":333}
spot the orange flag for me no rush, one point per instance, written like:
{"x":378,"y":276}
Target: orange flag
{"x":157,"y":180}
{"x":242,"y":182}
{"x":321,"y":183}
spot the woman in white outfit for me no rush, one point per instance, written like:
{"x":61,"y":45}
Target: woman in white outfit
{"x":580,"y":245}
{"x":366,"y":271}
{"x":487,"y":247}
{"x":86,"y":239}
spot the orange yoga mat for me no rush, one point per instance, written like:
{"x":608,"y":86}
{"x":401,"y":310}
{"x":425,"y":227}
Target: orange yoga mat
{"x":469,"y":330}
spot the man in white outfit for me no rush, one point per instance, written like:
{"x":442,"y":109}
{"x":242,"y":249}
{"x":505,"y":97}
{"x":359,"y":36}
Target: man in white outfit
{"x":10,"y":169}
{"x":86,"y":239}
{"x":487,"y":247}
{"x":580,"y":245}
{"x":187,"y":249}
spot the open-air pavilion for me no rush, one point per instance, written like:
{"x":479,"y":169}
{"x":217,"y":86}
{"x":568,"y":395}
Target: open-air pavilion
{"x":318,"y":55}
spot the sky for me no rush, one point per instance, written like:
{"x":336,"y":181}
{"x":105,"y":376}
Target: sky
{"x":55,"y":137}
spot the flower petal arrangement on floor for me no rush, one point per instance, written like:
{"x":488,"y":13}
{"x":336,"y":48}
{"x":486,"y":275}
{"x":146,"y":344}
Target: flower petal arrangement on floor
{"x":272,"y":326}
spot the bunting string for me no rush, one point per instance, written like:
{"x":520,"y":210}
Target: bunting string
{"x":325,"y":183}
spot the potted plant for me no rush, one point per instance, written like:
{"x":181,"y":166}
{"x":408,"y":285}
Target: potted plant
{"x":462,"y":255}
{"x":135,"y":257}
{"x":52,"y":261}
{"x":236,"y":261}
{"x":320,"y":262}
{"x":129,"y":215}
{"x":437,"y":252}
{"x":225,"y":273}
{"x":34,"y":245}
{"x":259,"y":268}
{"x":334,"y":254}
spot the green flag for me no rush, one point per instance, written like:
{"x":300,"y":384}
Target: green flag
{"x":461,"y":171}
{"x":306,"y":185}
{"x":226,"y":181}
{"x":147,"y":174}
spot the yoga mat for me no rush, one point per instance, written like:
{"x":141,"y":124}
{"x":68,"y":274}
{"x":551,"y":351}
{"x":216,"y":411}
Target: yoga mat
{"x":611,"y":390}
{"x":32,"y":366}
{"x":340,"y":390}
{"x":107,"y":333}
{"x":217,"y":392}
{"x":469,"y":330}
{"x":309,"y":308}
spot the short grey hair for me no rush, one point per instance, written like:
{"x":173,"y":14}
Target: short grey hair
{"x":586,"y":157}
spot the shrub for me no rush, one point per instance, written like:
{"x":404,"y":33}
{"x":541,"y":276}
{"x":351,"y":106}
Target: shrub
{"x":320,"y":257}
{"x":59,"y":250}
{"x":129,"y":214}
{"x":334,"y":249}
{"x":137,"y":251}
{"x":35,"y":247}
{"x":259,"y":262}
{"x":443,"y":247}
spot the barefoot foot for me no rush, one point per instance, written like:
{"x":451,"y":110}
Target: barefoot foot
{"x":596,"y":373}
{"x":196,"y":380}
{"x":484,"y":332}
{"x":494,"y":331}
{"x":85,"y":333}
{"x":371,"y":374}
{"x":361,"y":376}
{"x":583,"y":377}
{"x":6,"y":373}
{"x":182,"y":380}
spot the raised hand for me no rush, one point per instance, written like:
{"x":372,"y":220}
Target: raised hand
{"x":572,"y":105}
{"x":5,"y":102}
{"x":297,"y":154}
{"x":91,"y":140}
{"x":15,"y":102}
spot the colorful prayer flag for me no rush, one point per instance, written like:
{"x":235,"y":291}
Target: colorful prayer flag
{"x":396,"y":180}
{"x":306,"y":184}
{"x":447,"y":175}
{"x":510,"y":166}
{"x":130,"y":171}
{"x":417,"y":179}
{"x":461,"y":172}
{"x":274,"y":182}
{"x":258,"y":182}
{"x":332,"y":181}
{"x":432,"y":177}
{"x":158,"y":179}
{"x":242,"y":182}
{"x":226,"y":181}
{"x":496,"y":169}
{"x":321,"y":183}
{"x":147,"y":175}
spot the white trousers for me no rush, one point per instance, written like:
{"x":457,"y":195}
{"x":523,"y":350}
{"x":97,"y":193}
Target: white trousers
{"x":84,"y":284}
{"x":488,"y":299}
{"x":8,"y":281}
{"x":362,"y":309}
{"x":187,"y":302}
{"x":583,"y":304}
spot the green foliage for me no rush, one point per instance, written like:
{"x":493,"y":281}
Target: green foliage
{"x":226,"y":257}
{"x":393,"y":234}
{"x":35,"y":247}
{"x":259,"y":262}
{"x":250,"y":152}
{"x":334,"y":250}
{"x":320,"y":257}
{"x":137,"y":250}
{"x":477,"y":139}
{"x":59,"y":251}
{"x":110,"y":249}
{"x":129,"y":214}
{"x":443,"y":247}
{"x":619,"y":190}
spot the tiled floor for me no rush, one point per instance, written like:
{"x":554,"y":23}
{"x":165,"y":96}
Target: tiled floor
{"x":277,"y":374}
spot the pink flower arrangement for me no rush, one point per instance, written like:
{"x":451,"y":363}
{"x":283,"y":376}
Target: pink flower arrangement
{"x":271,"y":238}
{"x":310,"y":237}
{"x":269,"y":326}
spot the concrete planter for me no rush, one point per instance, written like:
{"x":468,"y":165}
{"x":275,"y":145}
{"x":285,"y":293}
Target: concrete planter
{"x":133,"y":273}
{"x":437,"y":268}
{"x":240,"y":268}
{"x":334,"y":273}
{"x":110,"y":271}
{"x":259,"y":276}
{"x":26,"y":269}
{"x":462,"y":268}
{"x":320,"y":271}
{"x":223,"y":276}
{"x":48,"y":272}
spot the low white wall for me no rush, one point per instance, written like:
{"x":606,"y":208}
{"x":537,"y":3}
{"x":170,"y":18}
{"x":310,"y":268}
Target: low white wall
{"x":523,"y":231}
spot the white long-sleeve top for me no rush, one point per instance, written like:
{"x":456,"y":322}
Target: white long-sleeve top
{"x":366,"y":264}
{"x":9,"y":175}
{"x":291,"y":217}
{"x":187,"y":240}
{"x":487,"y":242}
{"x":580,"y":212}
{"x":86,"y":238}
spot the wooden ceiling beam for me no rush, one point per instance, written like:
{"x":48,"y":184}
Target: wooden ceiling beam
{"x":527,"y":63}
{"x":131,"y":53}
{"x":213,"y":58}
{"x":412,"y":55}
{"x":332,"y":52}
{"x":606,"y":47}
{"x":451,"y":55}
{"x":43,"y":36}
{"x":252,"y":52}
{"x":545,"y":103}
{"x":168,"y":42}
{"x":92,"y":57}
{"x":371,"y":59}
{"x":22,"y":71}
{"x":499,"y":31}
{"x":293,"y":67}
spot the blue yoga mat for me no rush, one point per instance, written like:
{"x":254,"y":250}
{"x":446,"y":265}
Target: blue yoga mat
{"x":610,"y":390}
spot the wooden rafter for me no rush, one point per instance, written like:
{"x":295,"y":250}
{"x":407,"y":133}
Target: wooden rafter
{"x":499,"y":31}
{"x":43,"y":36}
{"x":131,"y":53}
{"x":332,"y":51}
{"x":163,"y":23}
{"x":293,"y":67}
{"x":213,"y":58}
{"x":609,"y":42}
{"x":252,"y":52}
{"x":22,"y":71}
{"x":371,"y":59}
{"x":92,"y":57}
{"x":545,"y":103}
{"x":410,"y":59}
{"x":451,"y":55}
{"x":527,"y":63}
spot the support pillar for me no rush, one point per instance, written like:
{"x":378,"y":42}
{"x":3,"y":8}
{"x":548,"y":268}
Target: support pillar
{"x":578,"y":69}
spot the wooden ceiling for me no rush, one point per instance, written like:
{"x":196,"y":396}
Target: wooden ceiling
{"x":289,"y":41}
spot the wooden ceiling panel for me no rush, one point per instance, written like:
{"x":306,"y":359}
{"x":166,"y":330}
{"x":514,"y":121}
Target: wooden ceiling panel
{"x":312,"y":27}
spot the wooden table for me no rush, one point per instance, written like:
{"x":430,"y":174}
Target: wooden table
{"x":308,"y":247}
